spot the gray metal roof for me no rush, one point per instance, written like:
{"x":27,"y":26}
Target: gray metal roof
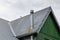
{"x":5,"y":32}
{"x":22,"y":25}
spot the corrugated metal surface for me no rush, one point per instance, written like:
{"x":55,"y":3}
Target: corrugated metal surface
{"x":22,"y":25}
{"x":5,"y":32}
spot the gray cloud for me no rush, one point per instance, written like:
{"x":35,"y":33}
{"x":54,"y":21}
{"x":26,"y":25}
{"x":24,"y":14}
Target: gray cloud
{"x":13,"y":9}
{"x":56,"y":8}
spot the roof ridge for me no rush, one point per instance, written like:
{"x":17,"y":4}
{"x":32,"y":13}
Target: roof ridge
{"x":4,"y":19}
{"x":35,"y":12}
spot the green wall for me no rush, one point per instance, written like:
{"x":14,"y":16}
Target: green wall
{"x":49,"y":30}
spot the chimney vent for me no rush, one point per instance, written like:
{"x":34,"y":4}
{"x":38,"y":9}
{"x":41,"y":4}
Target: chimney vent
{"x":32,"y":11}
{"x":32,"y":18}
{"x":32,"y":21}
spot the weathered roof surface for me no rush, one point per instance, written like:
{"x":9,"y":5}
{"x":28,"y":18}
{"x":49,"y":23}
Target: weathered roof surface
{"x":5,"y":32}
{"x":22,"y":25}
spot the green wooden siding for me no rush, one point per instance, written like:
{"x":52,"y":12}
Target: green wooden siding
{"x":49,"y":30}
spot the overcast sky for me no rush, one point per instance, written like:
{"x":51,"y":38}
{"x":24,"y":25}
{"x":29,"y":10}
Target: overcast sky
{"x":13,"y":9}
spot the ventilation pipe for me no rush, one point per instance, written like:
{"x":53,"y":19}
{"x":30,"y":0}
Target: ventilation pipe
{"x":32,"y":18}
{"x":32,"y":22}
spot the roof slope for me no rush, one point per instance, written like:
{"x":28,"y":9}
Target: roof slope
{"x":5,"y":32}
{"x":49,"y":30}
{"x":21,"y":26}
